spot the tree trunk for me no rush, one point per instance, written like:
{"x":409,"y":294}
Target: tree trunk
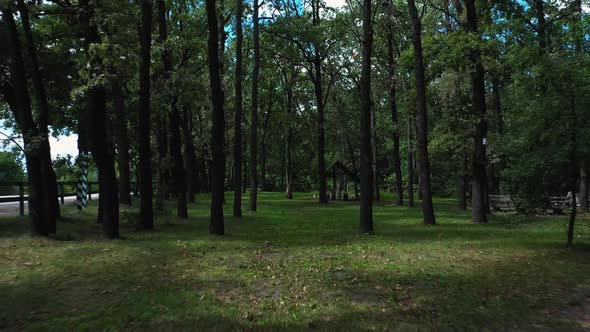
{"x":574,"y":166}
{"x":478,"y":96}
{"x":319,"y":93}
{"x":289,"y":140}
{"x":20,"y":104}
{"x":146,"y":211}
{"x":427,"y":207}
{"x":374,"y":158}
{"x":122,"y":144}
{"x":462,"y":184}
{"x":584,"y":186}
{"x":397,"y":165}
{"x":218,"y":118}
{"x":191,"y":164}
{"x":49,"y":178}
{"x":100,"y":138}
{"x":238,"y":114}
{"x":410,"y":160}
{"x":254,"y":122}
{"x":366,"y":203}
{"x":179,"y":175}
{"x":354,"y":169}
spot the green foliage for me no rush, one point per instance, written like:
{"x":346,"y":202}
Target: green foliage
{"x":11,"y":166}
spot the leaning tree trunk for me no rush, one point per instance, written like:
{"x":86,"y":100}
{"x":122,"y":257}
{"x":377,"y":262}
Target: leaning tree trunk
{"x":254,"y":122}
{"x":217,"y":131}
{"x":146,"y":211}
{"x":427,"y":207}
{"x":478,"y":95}
{"x":49,"y":178}
{"x":366,"y":203}
{"x":20,"y":103}
{"x":238,"y":114}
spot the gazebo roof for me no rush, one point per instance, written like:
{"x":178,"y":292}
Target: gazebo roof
{"x":340,"y":166}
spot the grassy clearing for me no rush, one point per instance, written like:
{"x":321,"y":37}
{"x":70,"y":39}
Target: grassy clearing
{"x":298,"y":265}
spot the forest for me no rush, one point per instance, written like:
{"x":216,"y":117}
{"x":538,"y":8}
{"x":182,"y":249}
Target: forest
{"x":298,"y":164}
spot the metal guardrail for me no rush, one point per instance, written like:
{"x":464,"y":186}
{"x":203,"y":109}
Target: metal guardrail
{"x":22,"y":197}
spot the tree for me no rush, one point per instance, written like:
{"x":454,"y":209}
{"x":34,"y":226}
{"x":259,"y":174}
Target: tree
{"x":217,"y":131}
{"x":478,"y":100}
{"x":146,"y":210}
{"x":366,"y":204}
{"x":174,"y":119}
{"x":238,"y":113}
{"x":254,"y":112}
{"x":427,"y":207}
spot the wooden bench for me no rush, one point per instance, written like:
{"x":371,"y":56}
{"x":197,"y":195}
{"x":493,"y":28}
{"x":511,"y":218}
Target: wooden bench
{"x":501,"y":203}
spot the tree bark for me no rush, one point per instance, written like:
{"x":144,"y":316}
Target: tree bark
{"x":478,"y":97}
{"x":410,"y":160}
{"x":254,"y":121}
{"x":19,"y":100}
{"x":122,"y":144}
{"x":584,"y":186}
{"x":427,"y":207}
{"x":101,"y":142}
{"x":179,"y":175}
{"x":191,"y":164}
{"x":49,"y":178}
{"x":217,"y":131}
{"x":462,"y":183}
{"x":366,"y":203}
{"x":289,"y":82}
{"x":238,"y":114}
{"x":146,"y":211}
{"x":397,"y":165}
{"x":319,"y":93}
{"x":374,"y":158}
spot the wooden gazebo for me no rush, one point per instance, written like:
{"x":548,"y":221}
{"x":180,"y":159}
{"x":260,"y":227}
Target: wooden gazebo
{"x":342,"y":177}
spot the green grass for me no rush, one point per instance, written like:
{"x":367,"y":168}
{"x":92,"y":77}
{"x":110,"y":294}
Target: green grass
{"x":297,"y":265}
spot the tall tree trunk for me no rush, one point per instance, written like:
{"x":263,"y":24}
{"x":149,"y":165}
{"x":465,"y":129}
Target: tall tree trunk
{"x":410,"y":160}
{"x":478,"y":96}
{"x":427,"y":207}
{"x":238,"y":114}
{"x":397,"y":165}
{"x":254,"y":122}
{"x":462,"y":183}
{"x":20,"y":104}
{"x":573,"y":166}
{"x":49,"y":178}
{"x":354,"y":167}
{"x":374,"y":158}
{"x":191,"y":164}
{"x":584,"y":186}
{"x":263,"y":152}
{"x":289,"y":140}
{"x":122,"y":144}
{"x":100,"y":138}
{"x":218,"y":128}
{"x":146,"y":211}
{"x":174,"y":120}
{"x":366,"y":203}
{"x":319,"y":93}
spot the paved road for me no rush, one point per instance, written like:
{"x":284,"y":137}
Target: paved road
{"x":12,"y":208}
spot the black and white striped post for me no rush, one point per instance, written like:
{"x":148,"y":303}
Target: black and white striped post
{"x":82,"y":186}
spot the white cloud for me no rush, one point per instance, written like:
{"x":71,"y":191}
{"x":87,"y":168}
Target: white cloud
{"x":64,"y":145}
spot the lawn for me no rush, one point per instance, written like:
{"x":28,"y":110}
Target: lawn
{"x":298,"y":265}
